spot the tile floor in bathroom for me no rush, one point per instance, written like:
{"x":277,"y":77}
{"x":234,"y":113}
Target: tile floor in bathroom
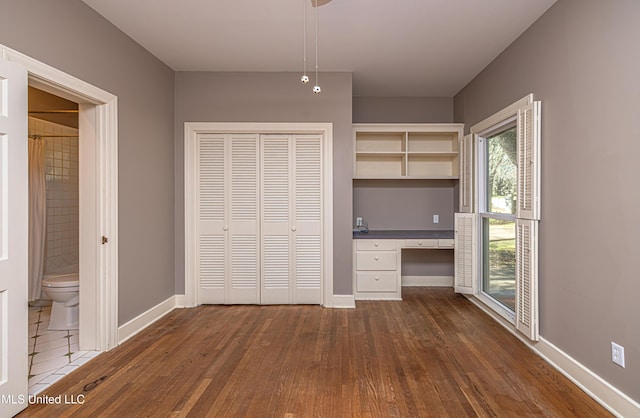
{"x":52,"y":354}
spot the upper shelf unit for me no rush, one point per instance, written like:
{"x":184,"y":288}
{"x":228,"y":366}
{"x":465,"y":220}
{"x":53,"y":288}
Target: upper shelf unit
{"x":416,"y":151}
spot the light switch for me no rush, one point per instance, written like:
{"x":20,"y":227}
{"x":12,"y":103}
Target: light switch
{"x":436,"y":219}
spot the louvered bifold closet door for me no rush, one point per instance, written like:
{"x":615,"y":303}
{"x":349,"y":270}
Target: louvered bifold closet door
{"x":465,"y":253}
{"x":210,"y":215}
{"x":276,"y":219}
{"x":528,"y":189}
{"x":466,"y":173}
{"x":307,"y":227}
{"x":242,"y":284}
{"x":527,"y":278}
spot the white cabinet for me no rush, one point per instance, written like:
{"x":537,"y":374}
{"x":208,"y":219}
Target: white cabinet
{"x":377,"y":269}
{"x":259,"y":210}
{"x":417,"y":151}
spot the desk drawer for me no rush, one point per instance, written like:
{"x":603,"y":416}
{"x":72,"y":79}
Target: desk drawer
{"x":446,"y":243}
{"x":379,"y":281}
{"x":376,"y":245}
{"x":421,"y":243}
{"x":375,"y":261}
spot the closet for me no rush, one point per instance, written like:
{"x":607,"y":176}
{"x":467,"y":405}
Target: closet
{"x":258,"y":218}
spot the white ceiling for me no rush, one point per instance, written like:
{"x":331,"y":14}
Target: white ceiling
{"x":392,"y":47}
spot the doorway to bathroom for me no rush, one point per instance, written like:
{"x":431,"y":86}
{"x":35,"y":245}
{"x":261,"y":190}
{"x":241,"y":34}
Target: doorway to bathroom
{"x":54,"y":256}
{"x":97,"y":209}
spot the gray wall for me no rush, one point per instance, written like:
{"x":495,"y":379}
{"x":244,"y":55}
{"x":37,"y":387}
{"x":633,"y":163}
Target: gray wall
{"x":404,"y":204}
{"x":402,"y":109}
{"x":270,"y":97}
{"x":70,"y":36}
{"x":580,"y":59}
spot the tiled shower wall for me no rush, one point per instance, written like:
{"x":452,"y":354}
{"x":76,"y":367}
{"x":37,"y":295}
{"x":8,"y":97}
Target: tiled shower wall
{"x":61,"y":170}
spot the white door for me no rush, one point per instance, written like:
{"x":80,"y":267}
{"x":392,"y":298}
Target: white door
{"x":227,"y":217}
{"x":277,"y":219}
{"x":13,"y":239}
{"x":291,"y":219}
{"x":307,"y":226}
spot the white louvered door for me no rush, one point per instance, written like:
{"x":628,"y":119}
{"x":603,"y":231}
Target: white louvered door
{"x":276,"y":219}
{"x":211,"y":246}
{"x":243,"y":284}
{"x":259,"y":206}
{"x":291,"y":219}
{"x":307,"y":228}
{"x":227,"y":214}
{"x":527,"y":278}
{"x":465,"y":253}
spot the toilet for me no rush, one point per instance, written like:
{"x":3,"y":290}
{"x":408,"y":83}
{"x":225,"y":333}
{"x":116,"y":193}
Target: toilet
{"x":64,"y":290}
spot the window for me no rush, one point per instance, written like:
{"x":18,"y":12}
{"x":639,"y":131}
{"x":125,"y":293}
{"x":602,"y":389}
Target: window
{"x":502,"y":216}
{"x":498,"y":213}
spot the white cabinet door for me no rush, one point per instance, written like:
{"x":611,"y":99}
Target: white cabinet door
{"x":13,"y":239}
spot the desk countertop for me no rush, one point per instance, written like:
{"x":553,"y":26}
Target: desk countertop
{"x":404,"y":234}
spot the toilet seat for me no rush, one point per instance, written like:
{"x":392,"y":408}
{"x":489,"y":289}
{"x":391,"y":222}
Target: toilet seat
{"x":61,"y":281}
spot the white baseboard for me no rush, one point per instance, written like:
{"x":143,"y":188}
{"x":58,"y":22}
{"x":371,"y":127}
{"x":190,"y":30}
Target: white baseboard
{"x":343,"y":301}
{"x":145,"y":319}
{"x":610,"y":397}
{"x":428,"y":281}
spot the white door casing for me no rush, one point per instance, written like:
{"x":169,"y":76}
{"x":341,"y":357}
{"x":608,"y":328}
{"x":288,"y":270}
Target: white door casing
{"x":13,"y":238}
{"x":98,"y":196}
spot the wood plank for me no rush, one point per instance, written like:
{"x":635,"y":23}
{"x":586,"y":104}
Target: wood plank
{"x":432,"y":354}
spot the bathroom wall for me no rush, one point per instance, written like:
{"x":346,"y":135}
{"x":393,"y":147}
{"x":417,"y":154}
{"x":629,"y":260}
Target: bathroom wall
{"x":61,"y":171}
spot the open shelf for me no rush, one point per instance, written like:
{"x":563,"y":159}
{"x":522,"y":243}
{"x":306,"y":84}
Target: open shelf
{"x":426,"y":151}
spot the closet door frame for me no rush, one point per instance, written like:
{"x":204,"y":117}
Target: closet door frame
{"x":192,"y":129}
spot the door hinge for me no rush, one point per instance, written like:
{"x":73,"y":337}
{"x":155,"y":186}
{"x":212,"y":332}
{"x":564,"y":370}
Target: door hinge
{"x":104,"y":240}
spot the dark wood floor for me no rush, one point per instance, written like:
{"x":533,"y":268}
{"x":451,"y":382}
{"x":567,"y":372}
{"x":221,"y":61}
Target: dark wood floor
{"x":432,"y":355}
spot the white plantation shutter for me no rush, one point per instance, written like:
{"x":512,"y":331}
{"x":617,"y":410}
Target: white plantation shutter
{"x":243,"y":284}
{"x":465,"y":253}
{"x":529,"y":161}
{"x":210,"y":215}
{"x":466,"y":173}
{"x":527,"y":278}
{"x":276,"y":219}
{"x":307,"y":230}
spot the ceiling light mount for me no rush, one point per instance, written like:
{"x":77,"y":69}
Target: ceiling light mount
{"x":305,"y":78}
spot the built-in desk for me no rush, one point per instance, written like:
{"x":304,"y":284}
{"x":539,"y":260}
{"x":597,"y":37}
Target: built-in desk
{"x":377,"y":256}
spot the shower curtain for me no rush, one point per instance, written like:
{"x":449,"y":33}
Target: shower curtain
{"x":37,"y":216}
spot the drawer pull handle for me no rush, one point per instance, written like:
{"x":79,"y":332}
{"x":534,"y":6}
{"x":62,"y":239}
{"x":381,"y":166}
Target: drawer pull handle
{"x":376,"y":244}
{"x":376,"y":258}
{"x":377,"y":278}
{"x":419,"y":242}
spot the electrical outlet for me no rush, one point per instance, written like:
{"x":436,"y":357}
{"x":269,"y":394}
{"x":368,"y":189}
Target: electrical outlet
{"x":436,"y":219}
{"x":617,"y":354}
{"x":358,"y":221}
